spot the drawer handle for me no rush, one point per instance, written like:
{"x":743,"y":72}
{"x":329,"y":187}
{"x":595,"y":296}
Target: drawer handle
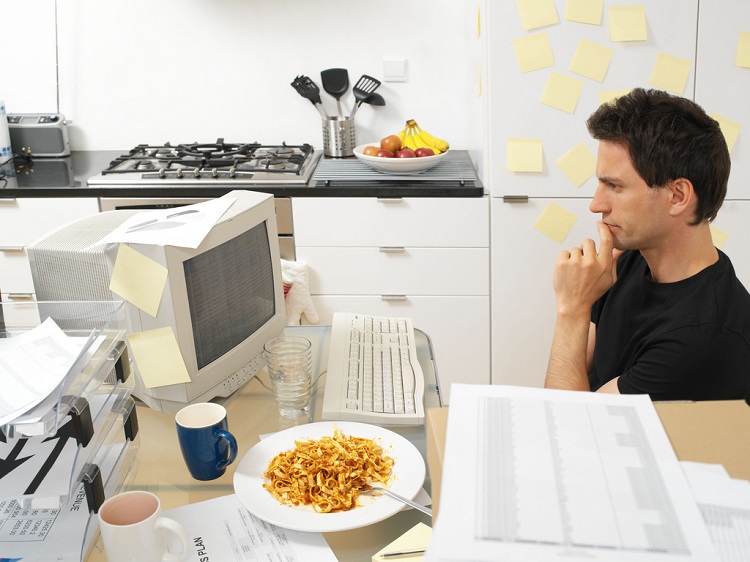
{"x":391,"y":200}
{"x":7,"y":200}
{"x":12,"y":248}
{"x":392,"y":249}
{"x":20,"y":296}
{"x":393,"y":297}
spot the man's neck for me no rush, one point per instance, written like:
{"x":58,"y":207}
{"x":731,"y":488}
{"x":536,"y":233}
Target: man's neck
{"x":683,"y":257}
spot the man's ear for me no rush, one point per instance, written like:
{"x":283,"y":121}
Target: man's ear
{"x":683,"y":199}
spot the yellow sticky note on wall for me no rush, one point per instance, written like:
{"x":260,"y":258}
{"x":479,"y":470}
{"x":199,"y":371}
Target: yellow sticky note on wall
{"x":578,"y":164}
{"x":158,"y":358}
{"x":584,"y":11}
{"x":670,"y":73}
{"x":555,"y":222}
{"x":719,"y":236}
{"x":627,"y":23}
{"x":562,"y":92}
{"x":743,"y":50}
{"x":591,"y":60}
{"x":138,"y":279}
{"x":533,"y":52}
{"x":729,"y":129}
{"x":524,"y":155}
{"x":537,"y":13}
{"x":606,"y":96}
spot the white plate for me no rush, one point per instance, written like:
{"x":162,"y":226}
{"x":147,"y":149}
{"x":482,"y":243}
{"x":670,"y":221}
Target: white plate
{"x":398,"y":165}
{"x":407,"y":479}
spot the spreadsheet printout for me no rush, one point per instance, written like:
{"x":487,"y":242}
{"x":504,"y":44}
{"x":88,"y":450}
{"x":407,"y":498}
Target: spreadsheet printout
{"x":562,"y":474}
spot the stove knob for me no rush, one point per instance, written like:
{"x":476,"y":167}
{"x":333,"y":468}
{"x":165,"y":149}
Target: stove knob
{"x":232,"y":172}
{"x":162,"y":172}
{"x":215,"y":173}
{"x":178,"y":173}
{"x":197,"y":173}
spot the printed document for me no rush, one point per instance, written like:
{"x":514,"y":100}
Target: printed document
{"x":562,"y":475}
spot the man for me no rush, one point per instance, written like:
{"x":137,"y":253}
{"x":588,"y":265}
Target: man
{"x":658,"y":309}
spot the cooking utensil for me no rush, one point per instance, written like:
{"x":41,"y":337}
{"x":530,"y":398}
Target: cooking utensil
{"x":398,"y":497}
{"x":309,"y":89}
{"x":365,"y":86}
{"x":335,"y":83}
{"x":375,"y":99}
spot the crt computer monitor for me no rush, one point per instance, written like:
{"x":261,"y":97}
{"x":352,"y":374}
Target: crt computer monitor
{"x":223,"y":300}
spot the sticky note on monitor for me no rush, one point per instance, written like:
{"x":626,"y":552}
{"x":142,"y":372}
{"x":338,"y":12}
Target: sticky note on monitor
{"x":670,"y":73}
{"x":562,"y":92}
{"x":158,"y":358}
{"x":729,"y":129}
{"x":537,"y":13}
{"x":578,"y":164}
{"x":524,"y":155}
{"x":743,"y":50}
{"x":138,"y":279}
{"x":627,"y":23}
{"x":555,"y":222}
{"x":591,"y":60}
{"x":533,"y":52}
{"x":584,"y":11}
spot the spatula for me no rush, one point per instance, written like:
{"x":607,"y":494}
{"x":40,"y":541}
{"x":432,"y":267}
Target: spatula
{"x":335,"y":83}
{"x":365,"y":86}
{"x":309,"y":89}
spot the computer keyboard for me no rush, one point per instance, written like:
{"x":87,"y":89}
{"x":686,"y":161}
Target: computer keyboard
{"x":373,"y":374}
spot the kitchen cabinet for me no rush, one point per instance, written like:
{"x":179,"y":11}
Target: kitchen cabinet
{"x":25,"y":220}
{"x":426,"y":258}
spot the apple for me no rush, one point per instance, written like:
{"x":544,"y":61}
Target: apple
{"x":383,"y":153}
{"x":406,"y":153}
{"x":424,"y":151}
{"x":391,"y":142}
{"x":370,"y":150}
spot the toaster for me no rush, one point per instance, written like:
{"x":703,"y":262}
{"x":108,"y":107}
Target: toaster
{"x":40,"y":134}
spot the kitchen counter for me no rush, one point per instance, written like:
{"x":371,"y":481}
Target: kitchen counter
{"x":67,"y":177}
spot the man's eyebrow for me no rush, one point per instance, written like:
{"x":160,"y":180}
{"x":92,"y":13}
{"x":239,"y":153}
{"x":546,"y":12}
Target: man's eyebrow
{"x":609,"y":179}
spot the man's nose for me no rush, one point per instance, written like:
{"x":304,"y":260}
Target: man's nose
{"x":598,"y":203}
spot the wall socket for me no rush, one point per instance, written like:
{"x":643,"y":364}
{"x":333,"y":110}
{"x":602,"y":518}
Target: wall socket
{"x":394,"y":70}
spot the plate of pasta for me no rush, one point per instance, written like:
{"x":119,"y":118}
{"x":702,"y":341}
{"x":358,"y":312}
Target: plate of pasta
{"x":311,"y":477}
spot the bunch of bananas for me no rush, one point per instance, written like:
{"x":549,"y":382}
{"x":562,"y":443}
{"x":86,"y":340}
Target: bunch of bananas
{"x":413,"y":137}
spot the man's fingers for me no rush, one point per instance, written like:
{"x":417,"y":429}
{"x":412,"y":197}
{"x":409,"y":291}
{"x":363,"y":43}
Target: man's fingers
{"x":605,"y":238}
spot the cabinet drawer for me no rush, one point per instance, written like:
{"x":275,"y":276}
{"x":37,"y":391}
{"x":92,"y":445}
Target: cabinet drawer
{"x":457,"y":326}
{"x":388,"y":271}
{"x":25,"y":220}
{"x":428,"y":222}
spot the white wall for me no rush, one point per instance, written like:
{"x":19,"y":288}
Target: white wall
{"x":140,"y":71}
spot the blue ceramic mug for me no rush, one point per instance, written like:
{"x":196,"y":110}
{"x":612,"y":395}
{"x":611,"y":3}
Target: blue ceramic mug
{"x":207,"y":446}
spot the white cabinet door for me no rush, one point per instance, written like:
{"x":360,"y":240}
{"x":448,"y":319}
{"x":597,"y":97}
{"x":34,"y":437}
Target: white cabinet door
{"x":523,"y":301}
{"x":457,"y":326}
{"x":24,"y":220}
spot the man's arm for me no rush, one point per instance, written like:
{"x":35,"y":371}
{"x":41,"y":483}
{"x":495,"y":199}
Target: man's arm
{"x":581,"y":277}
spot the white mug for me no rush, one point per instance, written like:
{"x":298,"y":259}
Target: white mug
{"x":133,"y":529}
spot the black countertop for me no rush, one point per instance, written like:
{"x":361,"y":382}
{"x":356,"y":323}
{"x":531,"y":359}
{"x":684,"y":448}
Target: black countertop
{"x":67,"y":177}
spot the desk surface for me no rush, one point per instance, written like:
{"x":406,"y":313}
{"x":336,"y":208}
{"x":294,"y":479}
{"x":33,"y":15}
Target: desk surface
{"x":251,"y":413}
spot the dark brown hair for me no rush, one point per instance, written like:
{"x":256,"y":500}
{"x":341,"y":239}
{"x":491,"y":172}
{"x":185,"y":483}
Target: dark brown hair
{"x":668,"y":137}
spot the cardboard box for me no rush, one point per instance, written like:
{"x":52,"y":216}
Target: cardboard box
{"x":711,"y":432}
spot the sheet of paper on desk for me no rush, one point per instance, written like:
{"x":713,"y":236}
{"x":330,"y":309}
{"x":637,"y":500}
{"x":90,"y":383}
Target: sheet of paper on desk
{"x":223,"y":529}
{"x":560,"y":475}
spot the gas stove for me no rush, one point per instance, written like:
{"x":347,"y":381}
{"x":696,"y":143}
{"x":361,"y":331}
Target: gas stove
{"x":215,"y":164}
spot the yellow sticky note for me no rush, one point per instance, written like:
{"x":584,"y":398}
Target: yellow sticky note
{"x":719,"y":236}
{"x":562,"y":92}
{"x":479,"y":22}
{"x":743,"y":50}
{"x":591,"y":60}
{"x":533,"y":52}
{"x":416,"y":538}
{"x":578,"y":164}
{"x":730,"y":129}
{"x":537,"y":13}
{"x":670,"y":73}
{"x":138,"y":279}
{"x":584,"y":11}
{"x":627,"y":23}
{"x":524,"y":155}
{"x":606,"y":96}
{"x":158,"y":357}
{"x":555,"y":222}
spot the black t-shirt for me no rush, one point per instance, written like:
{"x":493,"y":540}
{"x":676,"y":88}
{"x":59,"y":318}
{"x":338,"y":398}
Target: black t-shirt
{"x":688,"y":340}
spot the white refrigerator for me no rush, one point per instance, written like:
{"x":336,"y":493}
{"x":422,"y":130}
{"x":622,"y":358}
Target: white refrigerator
{"x":550,"y":64}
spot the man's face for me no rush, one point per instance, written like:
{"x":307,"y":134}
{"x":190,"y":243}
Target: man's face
{"x":635,"y":213}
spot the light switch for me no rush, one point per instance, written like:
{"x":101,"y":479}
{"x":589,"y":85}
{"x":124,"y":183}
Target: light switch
{"x":394,"y":70}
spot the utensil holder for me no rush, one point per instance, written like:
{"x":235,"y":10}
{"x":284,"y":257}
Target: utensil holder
{"x":339,"y":137}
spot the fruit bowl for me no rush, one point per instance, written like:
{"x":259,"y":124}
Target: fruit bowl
{"x":398,"y":165}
